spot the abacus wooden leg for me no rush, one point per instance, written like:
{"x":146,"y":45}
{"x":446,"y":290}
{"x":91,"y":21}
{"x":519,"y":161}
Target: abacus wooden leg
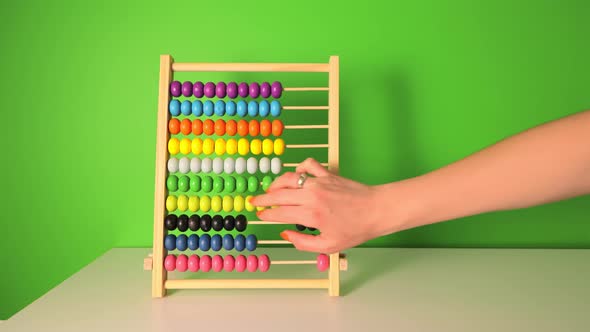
{"x":334,"y":275}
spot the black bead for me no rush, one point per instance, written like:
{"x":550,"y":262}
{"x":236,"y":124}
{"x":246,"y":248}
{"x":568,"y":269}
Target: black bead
{"x":170,"y":222}
{"x":194,"y":223}
{"x":241,"y":222}
{"x":311,"y":229}
{"x":300,"y":228}
{"x":182,"y":222}
{"x":217,"y":223}
{"x":205,"y":223}
{"x":229,"y":222}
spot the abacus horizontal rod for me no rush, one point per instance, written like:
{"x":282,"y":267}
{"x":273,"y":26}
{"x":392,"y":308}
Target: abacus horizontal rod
{"x":273,"y":242}
{"x":307,"y":127}
{"x":297,"y":164}
{"x":245,"y":283}
{"x":306,"y":89}
{"x":293,"y":262}
{"x":250,"y":67}
{"x":260,"y":222}
{"x":304,"y":108}
{"x":306,"y":146}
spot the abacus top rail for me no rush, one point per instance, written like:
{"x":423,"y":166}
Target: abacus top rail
{"x":251,"y":67}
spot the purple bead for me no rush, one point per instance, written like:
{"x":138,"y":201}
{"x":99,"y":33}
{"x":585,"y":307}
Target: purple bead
{"x":276,"y":89}
{"x":209,"y":90}
{"x":232,"y":90}
{"x":187,"y":89}
{"x":220,"y":90}
{"x":254,"y":90}
{"x":198,"y":88}
{"x":175,"y":89}
{"x":265,"y":90}
{"x":243,"y":90}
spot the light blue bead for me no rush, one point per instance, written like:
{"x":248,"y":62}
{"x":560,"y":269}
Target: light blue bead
{"x":264,"y":108}
{"x":181,"y":242}
{"x":216,"y":242}
{"x":197,"y":108}
{"x":242,"y":108}
{"x":252,"y":108}
{"x":170,"y":242}
{"x":208,"y":107}
{"x":193,"y":242}
{"x":275,"y":108}
{"x":230,"y":108}
{"x":240,"y":242}
{"x":205,"y":242}
{"x":174,"y":107}
{"x":228,"y":242}
{"x":251,"y":242}
{"x":219,"y":108}
{"x":186,"y":107}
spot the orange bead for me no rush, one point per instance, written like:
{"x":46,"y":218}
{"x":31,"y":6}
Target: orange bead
{"x":265,"y":128}
{"x":208,"y":127}
{"x":186,"y":126}
{"x":242,"y":127}
{"x":174,"y":126}
{"x":254,"y":128}
{"x":219,"y":127}
{"x":231,"y":127}
{"x":197,"y":127}
{"x":277,"y":127}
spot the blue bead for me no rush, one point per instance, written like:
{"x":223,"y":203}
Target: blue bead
{"x":170,"y":242}
{"x":193,"y":242}
{"x":216,"y":242}
{"x":264,"y":108}
{"x":275,"y":108}
{"x":181,"y":242}
{"x":228,"y":242}
{"x":251,"y":242}
{"x":240,"y":242}
{"x":230,"y":108}
{"x":186,"y":107}
{"x":197,"y":108}
{"x":220,"y":108}
{"x":242,"y":108}
{"x":252,"y":108}
{"x":174,"y":107}
{"x":205,"y":242}
{"x":208,"y":107}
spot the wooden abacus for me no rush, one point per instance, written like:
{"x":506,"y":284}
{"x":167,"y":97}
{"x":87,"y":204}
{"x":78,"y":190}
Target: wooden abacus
{"x":158,"y":262}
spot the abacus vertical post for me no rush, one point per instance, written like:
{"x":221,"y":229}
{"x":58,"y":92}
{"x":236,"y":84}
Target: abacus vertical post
{"x":333,"y":138}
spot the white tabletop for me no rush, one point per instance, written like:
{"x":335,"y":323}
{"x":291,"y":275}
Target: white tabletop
{"x":383,"y":290}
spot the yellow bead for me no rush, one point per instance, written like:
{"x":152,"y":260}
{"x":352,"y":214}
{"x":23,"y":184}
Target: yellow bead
{"x":228,"y":203}
{"x":267,"y":146}
{"x":260,"y":208}
{"x":208,"y":146}
{"x":219,"y":146}
{"x":238,"y":203}
{"x":256,"y":146}
{"x":216,"y":203}
{"x":171,"y":203}
{"x":197,"y":146}
{"x":173,"y":145}
{"x":182,"y":203}
{"x":249,"y":206}
{"x":243,"y":146}
{"x":205,"y":203}
{"x":185,"y":146}
{"x":193,"y":203}
{"x":279,"y":146}
{"x":231,"y":147}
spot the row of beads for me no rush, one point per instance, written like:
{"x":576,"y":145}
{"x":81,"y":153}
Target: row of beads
{"x":227,"y":165}
{"x":232,"y":89}
{"x":216,"y":184}
{"x":302,"y":228}
{"x":216,"y":263}
{"x":221,"y":108}
{"x":220,"y":127}
{"x":220,"y":146}
{"x":206,"y":242}
{"x":205,"y":203}
{"x":205,"y":223}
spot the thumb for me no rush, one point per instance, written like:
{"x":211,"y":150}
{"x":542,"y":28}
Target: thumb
{"x":303,"y":242}
{"x":312,"y":167}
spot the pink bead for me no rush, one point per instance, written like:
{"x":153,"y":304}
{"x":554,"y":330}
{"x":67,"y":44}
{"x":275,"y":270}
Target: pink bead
{"x":229,"y":263}
{"x":170,"y":263}
{"x":263,"y":263}
{"x":252,"y":263}
{"x":217,"y":263}
{"x":205,"y":263}
{"x":323,"y":262}
{"x":181,"y":263}
{"x":193,"y":263}
{"x":241,"y":263}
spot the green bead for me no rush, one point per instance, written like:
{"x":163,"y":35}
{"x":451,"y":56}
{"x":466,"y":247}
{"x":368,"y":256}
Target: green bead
{"x":195,"y":183}
{"x":241,"y":184}
{"x":172,"y":183}
{"x":218,"y":184}
{"x":207,"y":184}
{"x":230,"y":184}
{"x":183,"y":183}
{"x":266,"y":182}
{"x":252,"y":184}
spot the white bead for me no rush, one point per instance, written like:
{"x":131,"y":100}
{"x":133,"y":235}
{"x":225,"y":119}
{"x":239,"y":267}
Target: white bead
{"x":275,"y":165}
{"x":217,"y":165}
{"x":184,"y":165}
{"x":240,"y":165}
{"x":229,"y":165}
{"x":172,"y":165}
{"x":252,"y":165}
{"x":206,"y":165}
{"x":195,"y":165}
{"x":264,"y":165}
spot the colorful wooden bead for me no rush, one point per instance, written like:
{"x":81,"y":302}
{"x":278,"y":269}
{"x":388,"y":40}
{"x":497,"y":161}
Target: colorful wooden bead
{"x":172,"y":164}
{"x":228,"y":242}
{"x":205,"y":223}
{"x":170,"y":263}
{"x":208,"y":127}
{"x":208,"y":144}
{"x":182,"y":222}
{"x":181,"y":263}
{"x":239,"y":203}
{"x":197,"y":146}
{"x":243,"y":127}
{"x":219,"y":146}
{"x":184,"y":165}
{"x":217,"y":263}
{"x":174,"y":146}
{"x":194,"y":202}
{"x":231,"y":146}
{"x":252,"y":165}
{"x":207,"y":183}
{"x":174,"y":126}
{"x":171,"y":203}
{"x":229,"y":166}
{"x":186,"y":126}
{"x":249,"y":207}
{"x":230,"y":108}
{"x":241,"y":184}
{"x":276,"y":89}
{"x":275,"y":108}
{"x":254,"y":90}
{"x":206,"y":164}
{"x":229,"y":223}
{"x":198,"y":89}
{"x":232,"y":90}
{"x":217,"y":223}
{"x":195,"y":165}
{"x":241,"y":108}
{"x":267,"y":146}
{"x":231,"y":127}
{"x":218,"y":184}
{"x":263,"y":263}
{"x":217,"y":165}
{"x":243,"y":90}
{"x":175,"y":88}
{"x":264,"y":165}
{"x":265,"y":90}
{"x":252,"y":108}
{"x":266,"y":180}
{"x":174,"y":107}
{"x":243,"y":146}
{"x":170,"y":222}
{"x":240,"y":165}
{"x":193,"y":263}
{"x":256,"y":146}
{"x":228,"y":204}
{"x":220,"y":90}
{"x":216,"y":203}
{"x":275,"y":165}
{"x":241,"y":263}
{"x":220,"y":108}
{"x":197,"y":108}
{"x":205,"y":263}
{"x":265,"y":128}
{"x":194,"y":222}
{"x":208,"y":108}
{"x":254,"y":128}
{"x":209,"y":90}
{"x":264,"y":108}
{"x":183,"y":183}
{"x":323,"y":262}
{"x":186,"y":108}
{"x":195,"y":182}
{"x":185,"y":146}
{"x":187,"y":89}
{"x":204,"y":205}
{"x":216,"y":242}
{"x":197,"y":127}
{"x":229,"y":263}
{"x":252,"y":184}
{"x":193,"y":242}
{"x":219,"y":127}
{"x":251,"y":242}
{"x":300,"y":228}
{"x":204,"y":242}
{"x":279,"y":146}
{"x":240,"y":242}
{"x":170,"y":242}
{"x":172,"y":183}
{"x":181,"y":242}
{"x":252,"y":263}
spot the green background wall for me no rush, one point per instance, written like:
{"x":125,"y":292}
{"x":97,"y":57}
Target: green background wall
{"x":423,"y":83}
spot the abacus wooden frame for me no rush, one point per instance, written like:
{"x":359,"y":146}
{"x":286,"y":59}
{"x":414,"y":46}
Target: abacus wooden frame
{"x":160,"y":282}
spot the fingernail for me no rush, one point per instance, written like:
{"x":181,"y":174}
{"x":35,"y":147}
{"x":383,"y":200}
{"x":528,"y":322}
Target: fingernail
{"x":258,"y":213}
{"x":285,"y":236}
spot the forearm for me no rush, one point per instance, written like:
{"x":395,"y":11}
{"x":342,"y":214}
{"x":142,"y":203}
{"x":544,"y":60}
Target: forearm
{"x":544,"y":164}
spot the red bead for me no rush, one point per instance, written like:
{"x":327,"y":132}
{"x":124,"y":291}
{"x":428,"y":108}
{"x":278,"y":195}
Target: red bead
{"x":193,"y":263}
{"x":323,"y":262}
{"x":170,"y":263}
{"x":205,"y":263}
{"x":252,"y":263}
{"x":241,"y":263}
{"x":263,"y":263}
{"x":217,"y":263}
{"x":181,"y":263}
{"x":229,"y":263}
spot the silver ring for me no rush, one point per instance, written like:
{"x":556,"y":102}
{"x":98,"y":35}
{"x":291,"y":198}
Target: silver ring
{"x":301,"y":180}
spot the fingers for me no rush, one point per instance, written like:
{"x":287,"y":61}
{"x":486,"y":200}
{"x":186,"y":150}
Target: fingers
{"x":282,"y":197}
{"x":287,"y":180}
{"x":304,"y":242}
{"x":288,"y":214}
{"x":312,"y":167}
